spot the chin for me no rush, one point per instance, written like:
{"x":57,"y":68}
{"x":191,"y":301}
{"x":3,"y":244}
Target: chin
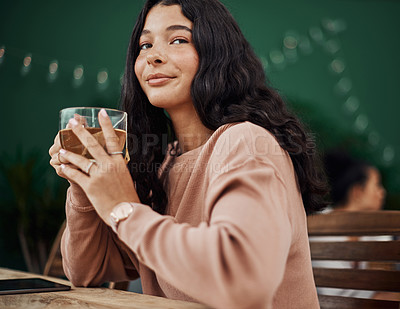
{"x":160,"y":103}
{"x":166,"y":103}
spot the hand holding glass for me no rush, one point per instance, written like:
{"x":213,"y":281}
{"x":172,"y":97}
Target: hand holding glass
{"x":88,"y":117}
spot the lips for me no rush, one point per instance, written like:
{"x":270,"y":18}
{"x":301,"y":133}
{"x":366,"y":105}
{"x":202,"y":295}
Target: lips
{"x":158,"y":79}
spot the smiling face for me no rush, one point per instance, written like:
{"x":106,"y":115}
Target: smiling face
{"x":168,"y":61}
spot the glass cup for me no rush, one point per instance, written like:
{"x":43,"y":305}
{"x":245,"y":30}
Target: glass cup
{"x":88,"y":117}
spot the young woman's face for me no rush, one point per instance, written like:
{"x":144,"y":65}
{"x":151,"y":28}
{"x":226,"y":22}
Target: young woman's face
{"x":167,"y":61}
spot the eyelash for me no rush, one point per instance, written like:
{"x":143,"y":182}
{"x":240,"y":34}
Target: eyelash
{"x":182,"y":41}
{"x":145,"y":46}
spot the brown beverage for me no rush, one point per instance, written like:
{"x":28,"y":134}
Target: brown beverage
{"x":71,"y":142}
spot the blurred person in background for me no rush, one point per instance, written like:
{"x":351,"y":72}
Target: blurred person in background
{"x":355,"y":185}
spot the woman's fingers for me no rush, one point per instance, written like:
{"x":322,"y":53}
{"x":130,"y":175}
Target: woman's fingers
{"x":74,"y":175}
{"x":55,"y":148}
{"x":54,"y":152}
{"x":81,"y":120}
{"x":110,"y":137}
{"x":60,"y":171}
{"x":85,"y":165}
{"x":56,"y":159}
{"x":77,"y":168}
{"x":88,"y":140}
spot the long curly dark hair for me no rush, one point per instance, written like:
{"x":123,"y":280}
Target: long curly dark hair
{"x":229,"y":86}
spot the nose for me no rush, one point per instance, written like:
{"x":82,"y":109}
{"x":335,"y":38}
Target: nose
{"x":155,"y":57}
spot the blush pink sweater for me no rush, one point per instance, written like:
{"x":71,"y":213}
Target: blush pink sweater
{"x":234,"y":234}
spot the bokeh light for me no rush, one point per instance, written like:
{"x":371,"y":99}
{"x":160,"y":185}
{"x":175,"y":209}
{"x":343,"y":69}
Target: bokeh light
{"x":374,"y":138}
{"x":343,"y":86}
{"x":277,"y":58}
{"x":27,"y":61}
{"x":329,"y":25}
{"x":102,"y":77}
{"x":361,"y":123}
{"x":305,"y":45}
{"x":352,"y":104}
{"x":316,"y":34}
{"x":332,"y":46}
{"x":78,"y":75}
{"x":388,"y":154}
{"x":333,"y":26}
{"x":290,"y":41}
{"x":53,"y":67}
{"x":78,"y":72}
{"x":26,"y":65}
{"x":337,"y":66}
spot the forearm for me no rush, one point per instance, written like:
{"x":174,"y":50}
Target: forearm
{"x":90,"y":252}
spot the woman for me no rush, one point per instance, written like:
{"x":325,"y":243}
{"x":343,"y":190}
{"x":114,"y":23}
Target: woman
{"x":221,"y":221}
{"x":355,"y":185}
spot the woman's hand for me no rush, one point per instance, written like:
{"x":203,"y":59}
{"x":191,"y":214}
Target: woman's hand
{"x":56,"y":159}
{"x":106,"y":182}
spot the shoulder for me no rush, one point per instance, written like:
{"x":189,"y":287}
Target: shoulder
{"x":246,"y":128}
{"x":241,"y":146}
{"x":246,"y":140}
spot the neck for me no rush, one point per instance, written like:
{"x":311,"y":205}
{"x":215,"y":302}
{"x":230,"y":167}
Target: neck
{"x":190,"y":131}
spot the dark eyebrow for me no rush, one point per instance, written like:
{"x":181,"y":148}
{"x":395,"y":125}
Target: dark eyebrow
{"x":179,"y":27}
{"x":170,"y":28}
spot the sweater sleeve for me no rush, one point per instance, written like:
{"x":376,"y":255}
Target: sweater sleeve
{"x":237,"y":259}
{"x":92,"y":254}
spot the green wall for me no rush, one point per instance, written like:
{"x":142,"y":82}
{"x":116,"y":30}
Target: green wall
{"x":95,"y":35}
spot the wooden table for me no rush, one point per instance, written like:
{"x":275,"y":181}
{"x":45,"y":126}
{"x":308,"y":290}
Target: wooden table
{"x":84,"y":297}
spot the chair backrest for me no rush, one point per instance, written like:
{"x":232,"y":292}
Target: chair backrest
{"x":353,"y":248}
{"x":54,"y":266}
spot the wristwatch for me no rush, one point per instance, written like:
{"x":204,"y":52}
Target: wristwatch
{"x":120,"y":213}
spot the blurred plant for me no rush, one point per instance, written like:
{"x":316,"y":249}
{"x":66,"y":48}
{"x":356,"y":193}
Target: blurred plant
{"x":32,"y":205}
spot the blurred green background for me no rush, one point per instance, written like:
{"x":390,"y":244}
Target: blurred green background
{"x":336,"y":63}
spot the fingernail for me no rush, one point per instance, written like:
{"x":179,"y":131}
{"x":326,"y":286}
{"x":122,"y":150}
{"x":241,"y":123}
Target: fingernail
{"x":73,"y":122}
{"x":62,"y":166}
{"x":62,"y":151}
{"x":103,"y":112}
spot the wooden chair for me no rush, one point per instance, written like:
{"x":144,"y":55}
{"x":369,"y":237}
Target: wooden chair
{"x":54,"y":266}
{"x":355,"y":225}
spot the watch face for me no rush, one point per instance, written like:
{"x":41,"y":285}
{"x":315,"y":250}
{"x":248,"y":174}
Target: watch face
{"x":121,"y":212}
